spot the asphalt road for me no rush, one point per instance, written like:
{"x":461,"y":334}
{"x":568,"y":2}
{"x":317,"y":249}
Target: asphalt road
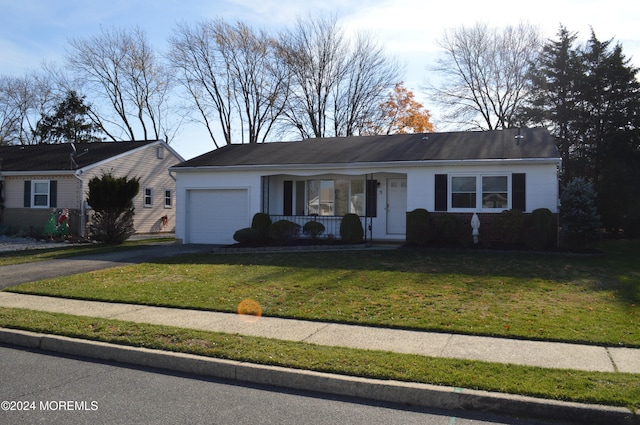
{"x":38,"y":387}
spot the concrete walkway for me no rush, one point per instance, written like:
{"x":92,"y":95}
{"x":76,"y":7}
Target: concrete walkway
{"x":499,"y":350}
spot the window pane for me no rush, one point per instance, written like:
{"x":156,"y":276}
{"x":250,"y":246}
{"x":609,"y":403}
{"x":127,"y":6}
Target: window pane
{"x":356,"y":204}
{"x":494,"y":184}
{"x":313,"y":197}
{"x":463,"y":184}
{"x":494,"y":192}
{"x":463,"y":200}
{"x":342,"y":196}
{"x":41,"y":188}
{"x":40,"y":200}
{"x":326,"y":197}
{"x":463,"y":192}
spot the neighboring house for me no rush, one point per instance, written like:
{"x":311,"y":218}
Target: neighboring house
{"x":38,"y":179}
{"x":379,"y":178}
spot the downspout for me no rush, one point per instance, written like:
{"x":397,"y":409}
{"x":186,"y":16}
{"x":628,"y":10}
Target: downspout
{"x":83,"y":222}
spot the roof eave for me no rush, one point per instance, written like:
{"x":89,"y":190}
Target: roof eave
{"x":37,"y":173}
{"x":368,"y":165}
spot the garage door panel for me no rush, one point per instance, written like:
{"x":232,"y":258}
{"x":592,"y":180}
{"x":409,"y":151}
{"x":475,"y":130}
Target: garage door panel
{"x":214,"y":215}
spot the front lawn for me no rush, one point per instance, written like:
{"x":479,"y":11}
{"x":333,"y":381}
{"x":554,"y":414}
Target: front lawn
{"x":585,"y":299}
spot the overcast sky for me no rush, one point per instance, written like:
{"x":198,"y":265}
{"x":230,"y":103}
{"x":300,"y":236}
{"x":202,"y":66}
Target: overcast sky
{"x":33,"y":31}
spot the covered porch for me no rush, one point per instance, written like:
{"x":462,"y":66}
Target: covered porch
{"x":379,"y":199}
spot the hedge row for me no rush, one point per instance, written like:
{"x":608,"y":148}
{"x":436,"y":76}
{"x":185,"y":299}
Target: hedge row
{"x":511,"y":228}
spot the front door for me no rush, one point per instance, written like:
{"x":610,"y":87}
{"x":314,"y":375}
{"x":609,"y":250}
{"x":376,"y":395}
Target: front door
{"x":396,"y":206}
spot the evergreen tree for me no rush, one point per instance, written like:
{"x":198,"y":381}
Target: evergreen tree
{"x":111,"y":199}
{"x":69,"y":122}
{"x":589,"y":97}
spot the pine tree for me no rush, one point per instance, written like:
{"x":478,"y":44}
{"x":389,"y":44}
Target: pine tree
{"x":69,"y":122}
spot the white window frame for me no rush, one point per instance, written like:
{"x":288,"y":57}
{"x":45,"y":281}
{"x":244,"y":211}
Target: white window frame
{"x":168,"y":200}
{"x":479,"y":193}
{"x":34,"y":193}
{"x":149,"y":196}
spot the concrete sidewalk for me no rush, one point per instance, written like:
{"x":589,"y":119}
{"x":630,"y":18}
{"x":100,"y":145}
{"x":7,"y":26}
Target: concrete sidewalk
{"x":499,"y":350}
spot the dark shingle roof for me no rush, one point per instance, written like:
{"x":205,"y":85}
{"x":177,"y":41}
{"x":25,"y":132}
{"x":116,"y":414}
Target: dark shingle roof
{"x":473,"y":145}
{"x":47,"y":157}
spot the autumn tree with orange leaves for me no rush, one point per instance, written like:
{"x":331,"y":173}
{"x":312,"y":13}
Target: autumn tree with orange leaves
{"x":401,"y":114}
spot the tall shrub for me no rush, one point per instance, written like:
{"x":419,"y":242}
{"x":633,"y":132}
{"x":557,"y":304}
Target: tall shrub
{"x":579,"y":218}
{"x":261,"y":222}
{"x":419,"y":227}
{"x":351,"y":230}
{"x":541,"y":231}
{"x":509,"y":225}
{"x":111,"y":199}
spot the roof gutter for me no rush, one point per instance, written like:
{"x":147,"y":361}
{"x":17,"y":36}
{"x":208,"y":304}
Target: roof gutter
{"x":369,"y":165}
{"x":38,"y":173}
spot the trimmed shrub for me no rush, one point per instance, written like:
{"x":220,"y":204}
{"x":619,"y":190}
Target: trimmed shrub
{"x":509,"y":225}
{"x":450,"y":230}
{"x":313,"y":229}
{"x":248,"y":235}
{"x":261,"y":222}
{"x":419,"y":227}
{"x":542,"y":230}
{"x":351,"y":229}
{"x":283,"y":231}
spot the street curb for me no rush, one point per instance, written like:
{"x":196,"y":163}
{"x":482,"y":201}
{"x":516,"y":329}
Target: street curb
{"x":405,"y":393}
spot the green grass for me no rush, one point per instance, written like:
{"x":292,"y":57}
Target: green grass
{"x":616,"y":389}
{"x":73,"y":250}
{"x":556,"y":297}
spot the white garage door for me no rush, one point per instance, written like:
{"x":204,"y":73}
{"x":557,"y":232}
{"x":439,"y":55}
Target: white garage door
{"x":213,"y":216}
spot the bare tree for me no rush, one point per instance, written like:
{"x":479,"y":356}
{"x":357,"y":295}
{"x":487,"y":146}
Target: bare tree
{"x":23,"y":101}
{"x":334,"y":83}
{"x":231,"y":75}
{"x":484,"y":73}
{"x":118,"y":66}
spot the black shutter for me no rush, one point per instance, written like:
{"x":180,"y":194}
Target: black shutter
{"x":518,"y":190}
{"x":371,"y":206}
{"x":27,"y":194}
{"x":441,"y":192}
{"x":300,"y":186}
{"x":288,"y":197}
{"x":53,"y":193}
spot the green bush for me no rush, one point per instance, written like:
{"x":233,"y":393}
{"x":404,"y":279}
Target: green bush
{"x":419,"y":227}
{"x":542,"y":230}
{"x":351,"y":229}
{"x":283,"y":231}
{"x":450,"y":230}
{"x":509,"y":225}
{"x":248,"y":235}
{"x":313,"y":229}
{"x":261,"y":222}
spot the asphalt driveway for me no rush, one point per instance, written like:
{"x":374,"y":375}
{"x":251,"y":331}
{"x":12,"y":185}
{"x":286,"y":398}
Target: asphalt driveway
{"x":21,"y":273}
